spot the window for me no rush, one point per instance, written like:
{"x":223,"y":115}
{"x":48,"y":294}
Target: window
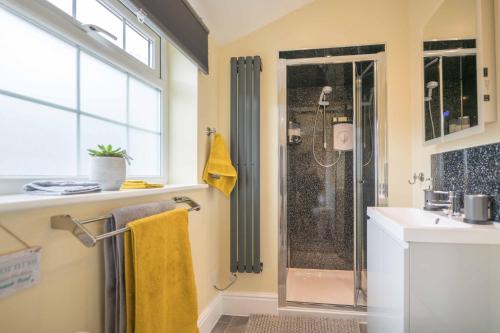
{"x":137,"y":43}
{"x":59,"y":98}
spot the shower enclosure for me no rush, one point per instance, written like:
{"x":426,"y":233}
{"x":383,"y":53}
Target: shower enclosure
{"x":332,"y":167}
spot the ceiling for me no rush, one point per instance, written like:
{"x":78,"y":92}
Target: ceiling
{"x":229,"y":20}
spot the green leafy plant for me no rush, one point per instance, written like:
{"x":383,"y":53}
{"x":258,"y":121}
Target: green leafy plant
{"x":109,"y":151}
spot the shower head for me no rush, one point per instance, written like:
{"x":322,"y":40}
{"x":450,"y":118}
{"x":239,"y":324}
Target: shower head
{"x":431,"y":85}
{"x":327,"y":90}
{"x":322,"y":98}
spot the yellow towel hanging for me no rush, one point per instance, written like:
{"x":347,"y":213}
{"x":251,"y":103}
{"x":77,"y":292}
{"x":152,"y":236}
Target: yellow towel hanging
{"x":219,"y":171}
{"x":159,"y":277}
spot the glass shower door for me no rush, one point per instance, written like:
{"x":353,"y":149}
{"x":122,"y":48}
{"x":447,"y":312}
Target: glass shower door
{"x":319,"y":183}
{"x":364,"y":165}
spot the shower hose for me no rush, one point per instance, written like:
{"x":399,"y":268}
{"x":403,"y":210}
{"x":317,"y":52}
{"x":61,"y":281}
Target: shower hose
{"x":314,"y":140}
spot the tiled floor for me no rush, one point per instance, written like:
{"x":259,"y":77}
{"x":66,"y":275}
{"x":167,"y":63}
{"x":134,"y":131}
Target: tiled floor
{"x":233,"y":324}
{"x":320,"y":286}
{"x":230,"y":324}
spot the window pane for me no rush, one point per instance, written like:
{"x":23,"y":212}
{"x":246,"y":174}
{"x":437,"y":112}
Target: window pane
{"x":145,"y":150}
{"x":35,"y":139}
{"x":92,"y":12}
{"x":35,"y":63}
{"x":103,"y":89}
{"x":96,"y":132}
{"x":64,"y":5}
{"x":144,"y":106}
{"x":136,"y":45}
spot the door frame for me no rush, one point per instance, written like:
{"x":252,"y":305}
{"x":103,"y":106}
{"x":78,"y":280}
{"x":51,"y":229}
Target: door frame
{"x":380,"y":136}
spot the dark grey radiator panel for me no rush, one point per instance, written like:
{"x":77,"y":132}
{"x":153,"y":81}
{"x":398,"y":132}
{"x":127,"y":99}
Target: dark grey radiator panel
{"x":245,"y":154}
{"x":234,"y":154}
{"x":257,"y":267}
{"x":241,"y":163}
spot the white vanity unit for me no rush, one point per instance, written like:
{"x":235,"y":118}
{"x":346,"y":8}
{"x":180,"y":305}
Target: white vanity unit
{"x":427,"y":275}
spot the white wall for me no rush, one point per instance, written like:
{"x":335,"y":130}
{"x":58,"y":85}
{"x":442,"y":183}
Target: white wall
{"x":453,"y":19}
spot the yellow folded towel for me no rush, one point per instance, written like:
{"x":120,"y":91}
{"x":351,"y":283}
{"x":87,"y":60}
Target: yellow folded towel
{"x":159,"y":279}
{"x":219,"y":172}
{"x":138,"y":184}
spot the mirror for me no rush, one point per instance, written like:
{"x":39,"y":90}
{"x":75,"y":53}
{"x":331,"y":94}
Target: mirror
{"x":450,"y":70}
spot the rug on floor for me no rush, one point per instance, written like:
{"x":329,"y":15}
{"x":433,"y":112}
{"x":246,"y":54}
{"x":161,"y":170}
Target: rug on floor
{"x":291,"y":324}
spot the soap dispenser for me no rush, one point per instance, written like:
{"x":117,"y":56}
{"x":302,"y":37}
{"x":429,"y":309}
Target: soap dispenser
{"x":294,"y":137}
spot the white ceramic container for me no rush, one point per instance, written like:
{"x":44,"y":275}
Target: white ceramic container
{"x":110,"y":172}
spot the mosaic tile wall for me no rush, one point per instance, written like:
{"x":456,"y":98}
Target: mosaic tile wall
{"x":473,"y":170}
{"x":332,"y":51}
{"x":320,"y":200}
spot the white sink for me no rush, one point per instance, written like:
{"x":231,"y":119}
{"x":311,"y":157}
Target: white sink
{"x":419,"y":218}
{"x":418,"y":225}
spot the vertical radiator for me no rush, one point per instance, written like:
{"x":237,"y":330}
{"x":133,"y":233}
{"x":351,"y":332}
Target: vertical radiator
{"x":245,"y":154}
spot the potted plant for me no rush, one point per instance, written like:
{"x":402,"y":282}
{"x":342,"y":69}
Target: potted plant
{"x":107,"y":166}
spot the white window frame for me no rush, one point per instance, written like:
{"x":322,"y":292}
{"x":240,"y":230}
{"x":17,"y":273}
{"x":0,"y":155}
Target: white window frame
{"x":59,"y":24}
{"x":121,"y":10}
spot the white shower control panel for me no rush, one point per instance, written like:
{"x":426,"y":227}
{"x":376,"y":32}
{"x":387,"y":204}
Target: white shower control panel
{"x":343,"y":136}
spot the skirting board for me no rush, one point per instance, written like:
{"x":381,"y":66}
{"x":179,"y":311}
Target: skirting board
{"x":210,"y":315}
{"x":236,"y":304}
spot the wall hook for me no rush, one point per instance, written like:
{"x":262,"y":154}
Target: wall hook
{"x":210,"y":130}
{"x":420,"y":177}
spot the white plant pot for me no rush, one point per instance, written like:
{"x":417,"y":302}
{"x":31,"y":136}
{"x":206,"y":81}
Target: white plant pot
{"x":110,"y":172}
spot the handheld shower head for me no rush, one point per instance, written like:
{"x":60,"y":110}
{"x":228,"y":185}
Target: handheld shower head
{"x":431,"y":85}
{"x":327,"y":90}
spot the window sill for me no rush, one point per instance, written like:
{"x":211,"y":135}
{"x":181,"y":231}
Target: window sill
{"x":17,"y":202}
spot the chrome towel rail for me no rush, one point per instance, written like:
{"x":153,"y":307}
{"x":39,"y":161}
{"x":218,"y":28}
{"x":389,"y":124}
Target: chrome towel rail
{"x":77,"y":228}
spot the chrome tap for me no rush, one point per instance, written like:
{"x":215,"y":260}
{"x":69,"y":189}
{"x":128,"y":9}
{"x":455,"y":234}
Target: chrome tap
{"x":436,"y":200}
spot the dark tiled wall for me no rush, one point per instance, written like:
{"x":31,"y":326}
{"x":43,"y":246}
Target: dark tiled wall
{"x":320,"y":200}
{"x":333,"y":51}
{"x":320,"y":209}
{"x":473,"y":170}
{"x":449,"y":44}
{"x":320,"y":214}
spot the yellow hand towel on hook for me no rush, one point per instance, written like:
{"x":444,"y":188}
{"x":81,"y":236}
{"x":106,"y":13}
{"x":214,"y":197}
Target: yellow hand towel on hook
{"x":219,"y":172}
